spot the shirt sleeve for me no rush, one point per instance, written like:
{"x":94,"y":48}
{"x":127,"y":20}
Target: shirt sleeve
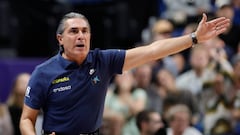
{"x":114,"y":59}
{"x":34,"y":96}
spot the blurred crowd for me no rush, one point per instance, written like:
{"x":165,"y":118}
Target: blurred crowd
{"x":191,"y":93}
{"x":194,"y":92}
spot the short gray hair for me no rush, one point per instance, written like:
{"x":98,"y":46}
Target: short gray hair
{"x":67,"y":16}
{"x":176,"y":109}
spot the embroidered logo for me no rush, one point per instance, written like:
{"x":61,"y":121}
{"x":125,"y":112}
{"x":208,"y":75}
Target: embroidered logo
{"x":95,"y":80}
{"x":59,"y":80}
{"x":62,"y":88}
{"x":91,"y":71}
{"x":27,"y":93}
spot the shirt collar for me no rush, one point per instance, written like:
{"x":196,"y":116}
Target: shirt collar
{"x":69,"y":64}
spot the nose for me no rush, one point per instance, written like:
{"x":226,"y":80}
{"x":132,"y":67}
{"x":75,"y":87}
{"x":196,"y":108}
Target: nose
{"x":80,"y":35}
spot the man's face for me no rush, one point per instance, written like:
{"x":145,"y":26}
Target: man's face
{"x":199,"y":59}
{"x":180,"y":122}
{"x":154,"y":124}
{"x":75,"y":39}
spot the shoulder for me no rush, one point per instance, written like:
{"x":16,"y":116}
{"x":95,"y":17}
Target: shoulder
{"x":107,"y":52}
{"x":110,"y":60}
{"x":45,"y":64}
{"x":187,"y":73}
{"x":43,"y":69}
{"x":186,"y":76}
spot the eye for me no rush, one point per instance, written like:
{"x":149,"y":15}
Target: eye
{"x":75,"y":31}
{"x":85,"y":31}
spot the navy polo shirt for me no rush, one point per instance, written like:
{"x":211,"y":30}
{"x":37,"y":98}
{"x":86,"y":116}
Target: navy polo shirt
{"x":72,"y":96}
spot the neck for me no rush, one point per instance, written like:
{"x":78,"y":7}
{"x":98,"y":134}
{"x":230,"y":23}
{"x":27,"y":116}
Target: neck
{"x":198,"y":72}
{"x":79,"y":61}
{"x":177,"y":133}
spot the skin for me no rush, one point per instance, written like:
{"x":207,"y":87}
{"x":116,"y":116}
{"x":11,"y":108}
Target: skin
{"x":77,"y":32}
{"x":152,"y":126}
{"x":180,"y":123}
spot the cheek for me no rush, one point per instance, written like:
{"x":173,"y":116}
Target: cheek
{"x":88,"y":41}
{"x":68,"y":42}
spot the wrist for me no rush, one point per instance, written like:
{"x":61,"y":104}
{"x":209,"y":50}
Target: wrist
{"x":194,"y":38}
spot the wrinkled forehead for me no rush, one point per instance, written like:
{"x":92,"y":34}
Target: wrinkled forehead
{"x":79,"y":23}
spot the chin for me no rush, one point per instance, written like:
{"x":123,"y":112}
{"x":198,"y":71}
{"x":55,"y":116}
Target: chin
{"x":81,"y":55}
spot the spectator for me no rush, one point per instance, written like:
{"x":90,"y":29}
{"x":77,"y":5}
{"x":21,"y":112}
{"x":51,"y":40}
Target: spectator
{"x":236,"y":73}
{"x":231,"y":35}
{"x":16,"y":98}
{"x":217,"y":103}
{"x":194,"y":78}
{"x":15,"y":103}
{"x":178,"y":119}
{"x":165,"y":94}
{"x":182,"y":12}
{"x":235,"y":94}
{"x":6,"y":127}
{"x":175,"y":96}
{"x":162,"y":29}
{"x":143,"y":76}
{"x":219,"y":56}
{"x":123,"y":103}
{"x":148,"y":122}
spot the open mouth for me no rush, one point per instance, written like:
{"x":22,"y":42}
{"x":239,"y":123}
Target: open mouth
{"x":80,"y":45}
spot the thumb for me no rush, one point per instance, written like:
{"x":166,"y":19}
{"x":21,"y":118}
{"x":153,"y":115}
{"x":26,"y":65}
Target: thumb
{"x":204,"y":18}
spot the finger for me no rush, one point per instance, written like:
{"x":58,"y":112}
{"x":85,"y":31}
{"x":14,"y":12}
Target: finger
{"x":204,"y":18}
{"x":218,"y":20}
{"x":221,"y":31}
{"x":225,"y":22}
{"x":222,"y":26}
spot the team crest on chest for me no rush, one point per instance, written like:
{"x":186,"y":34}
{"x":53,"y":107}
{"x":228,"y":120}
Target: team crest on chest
{"x":95,"y":80}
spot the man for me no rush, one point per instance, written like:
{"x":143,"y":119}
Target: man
{"x":194,"y":78}
{"x":148,"y":122}
{"x":70,"y":88}
{"x":178,"y":118}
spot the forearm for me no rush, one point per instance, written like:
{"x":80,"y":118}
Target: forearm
{"x":156,"y":50}
{"x":163,"y":48}
{"x":27,"y":127}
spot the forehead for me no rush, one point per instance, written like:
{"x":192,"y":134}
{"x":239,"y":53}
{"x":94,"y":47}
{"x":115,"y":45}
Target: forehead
{"x":76,"y":23}
{"x":155,"y":115}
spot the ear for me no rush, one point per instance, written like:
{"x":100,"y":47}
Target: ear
{"x":59,"y":38}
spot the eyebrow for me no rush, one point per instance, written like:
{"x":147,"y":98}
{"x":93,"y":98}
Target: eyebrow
{"x":76,"y":28}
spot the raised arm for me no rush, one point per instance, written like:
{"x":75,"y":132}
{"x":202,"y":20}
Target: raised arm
{"x":161,"y":48}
